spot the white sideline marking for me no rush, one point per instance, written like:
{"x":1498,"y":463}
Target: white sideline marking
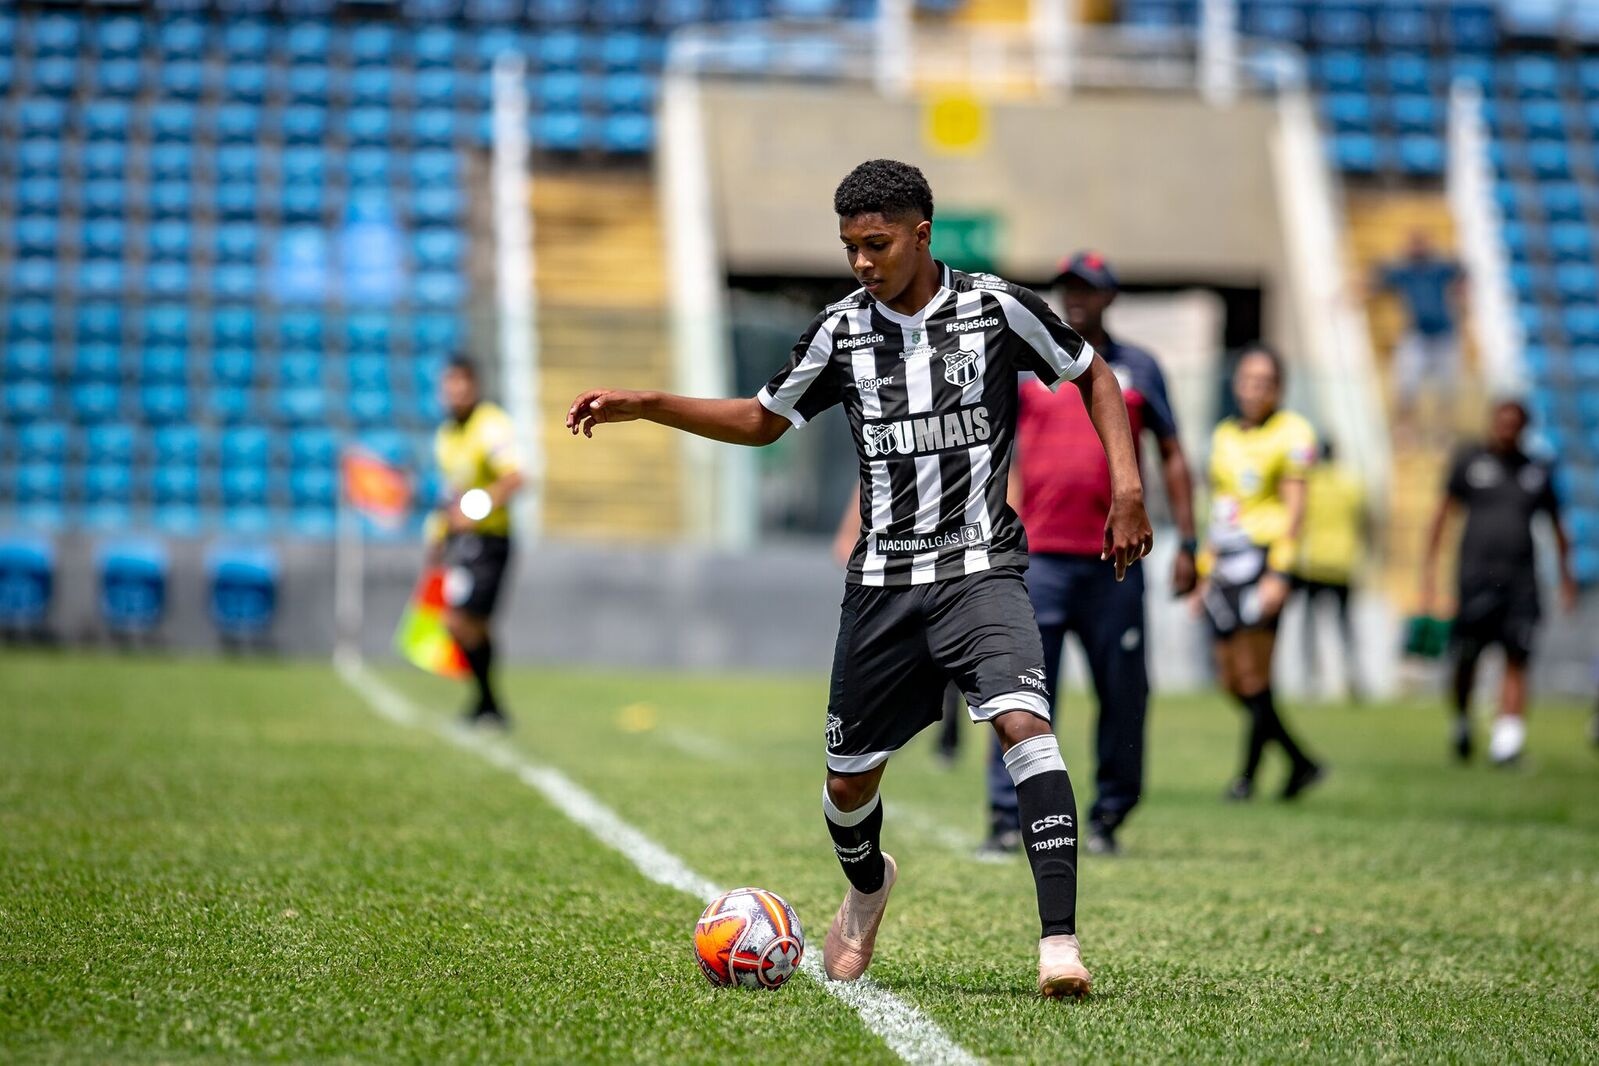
{"x":908,"y":1032}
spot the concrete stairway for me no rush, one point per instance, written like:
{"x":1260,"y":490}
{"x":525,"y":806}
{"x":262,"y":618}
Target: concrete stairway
{"x":600,"y":273}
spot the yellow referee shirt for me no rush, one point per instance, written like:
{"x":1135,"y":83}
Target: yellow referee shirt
{"x":476,"y":453}
{"x":1335,"y":508}
{"x":1247,"y":466}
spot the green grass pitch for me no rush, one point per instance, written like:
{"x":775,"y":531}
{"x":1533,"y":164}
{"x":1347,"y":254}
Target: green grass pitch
{"x":204,"y":861}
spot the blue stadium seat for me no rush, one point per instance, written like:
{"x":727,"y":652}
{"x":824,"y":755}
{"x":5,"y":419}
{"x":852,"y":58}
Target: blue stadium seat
{"x":103,"y":159}
{"x":39,"y":483}
{"x":368,"y":332}
{"x":112,"y":443}
{"x":173,"y":484}
{"x":1403,"y":26}
{"x":37,"y":234}
{"x":302,"y":203}
{"x":435,"y":46}
{"x":178,"y":519}
{"x":238,"y":123}
{"x":564,"y":131}
{"x":1562,"y":201}
{"x":238,"y":162}
{"x":313,"y":487}
{"x":30,"y":319}
{"x":106,"y":483}
{"x":41,"y":442}
{"x":302,"y":329}
{"x":369,"y":408}
{"x":312,"y":521}
{"x":33,"y":360}
{"x":107,"y":120}
{"x":1528,"y":280}
{"x":161,"y":404}
{"x":1479,"y":70}
{"x":33,"y":274}
{"x":571,"y":12}
{"x":235,"y":281}
{"x":246,"y":446}
{"x":229,"y":405}
{"x":122,"y":35}
{"x":163,"y":364}
{"x":393,"y":447}
{"x":97,"y":362}
{"x":233,"y":366}
{"x":373,"y":44}
{"x":55,"y":75}
{"x":1577,"y":281}
{"x":174,"y":121}
{"x":309,"y":84}
{"x":1532,"y":320}
{"x":433,"y":126}
{"x":300,"y":368}
{"x":308,"y":42}
{"x":100,"y":277}
{"x":375,"y":85}
{"x":491,"y":11}
{"x":133,"y":585}
{"x":367,"y":371}
{"x":1357,"y":153}
{"x":436,"y":87}
{"x":27,"y":581}
{"x":181,"y":38}
{"x":437,"y":333}
{"x":171,"y":160}
{"x":559,"y":50}
{"x":369,"y":125}
{"x":179,"y":445}
{"x":41,"y":117}
{"x":39,"y":156}
{"x":438,"y":249}
{"x":244,"y":590}
{"x":1514,"y":235}
{"x":629,"y":51}
{"x":243,"y":486}
{"x":304,"y":164}
{"x":300,"y":407}
{"x":1340,"y":25}
{"x":559,"y":91}
{"x":233,"y":325}
{"x":1544,"y":118}
{"x":39,"y":194}
{"x":1571,"y":242}
{"x":1470,"y":26}
{"x":1416,"y":114}
{"x":434,"y":166}
{"x":183,"y":79}
{"x":313,"y":447}
{"x":1549,"y":159}
{"x":434,"y":289}
{"x":369,"y":166}
{"x":119,"y":78}
{"x":246,"y":39}
{"x":1533,"y":76}
{"x":628,"y":134}
{"x":166,"y":199}
{"x":1581,"y":324}
{"x":1407,"y":72}
{"x":58,"y":34}
{"x":438,"y":205}
{"x":674,"y":13}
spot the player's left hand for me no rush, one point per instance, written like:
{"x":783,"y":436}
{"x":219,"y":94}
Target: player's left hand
{"x":1184,"y":574}
{"x":602,"y":405}
{"x":1128,"y":537}
{"x":1273,"y":594}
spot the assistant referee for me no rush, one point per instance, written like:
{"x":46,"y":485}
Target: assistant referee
{"x":470,"y":532}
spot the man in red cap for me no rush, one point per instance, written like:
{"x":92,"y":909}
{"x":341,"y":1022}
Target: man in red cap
{"x":1061,"y":488}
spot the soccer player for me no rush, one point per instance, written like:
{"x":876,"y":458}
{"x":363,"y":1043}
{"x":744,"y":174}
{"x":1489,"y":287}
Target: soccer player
{"x":1501,"y":490}
{"x":1336,"y":523}
{"x":925,"y":361}
{"x":470,"y":534}
{"x":1257,"y":481}
{"x":1060,"y":486}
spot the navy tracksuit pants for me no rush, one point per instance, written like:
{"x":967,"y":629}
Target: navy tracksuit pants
{"x":1080,"y":594}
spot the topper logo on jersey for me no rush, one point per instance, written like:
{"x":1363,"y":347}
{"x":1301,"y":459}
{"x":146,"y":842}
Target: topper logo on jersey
{"x":862,"y":340}
{"x":960,"y":368}
{"x":927,"y":434}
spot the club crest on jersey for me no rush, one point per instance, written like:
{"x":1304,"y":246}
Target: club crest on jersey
{"x":960,"y":368}
{"x":918,"y":347}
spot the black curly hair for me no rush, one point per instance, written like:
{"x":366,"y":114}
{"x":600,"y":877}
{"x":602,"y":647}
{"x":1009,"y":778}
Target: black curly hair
{"x":886,"y":187}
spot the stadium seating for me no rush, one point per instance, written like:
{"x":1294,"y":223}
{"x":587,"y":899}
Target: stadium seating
{"x":27,"y":582}
{"x":133,"y":586}
{"x":243,"y":590}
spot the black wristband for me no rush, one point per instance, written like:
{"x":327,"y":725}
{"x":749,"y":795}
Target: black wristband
{"x":1189,"y":545}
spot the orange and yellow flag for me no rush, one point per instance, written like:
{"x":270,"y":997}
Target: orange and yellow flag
{"x":422,"y":637}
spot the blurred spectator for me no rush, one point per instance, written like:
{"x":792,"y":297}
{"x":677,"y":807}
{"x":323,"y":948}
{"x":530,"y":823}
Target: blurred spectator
{"x":1258,"y":462}
{"x":1428,"y":354}
{"x":1060,"y":485}
{"x":1336,"y":533}
{"x":1501,"y":490}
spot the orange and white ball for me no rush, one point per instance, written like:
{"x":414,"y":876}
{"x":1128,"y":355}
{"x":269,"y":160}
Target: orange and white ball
{"x":750,"y":938}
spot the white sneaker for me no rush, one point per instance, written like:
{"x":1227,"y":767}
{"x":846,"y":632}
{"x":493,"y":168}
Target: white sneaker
{"x":1061,"y":972}
{"x":1509,"y":737}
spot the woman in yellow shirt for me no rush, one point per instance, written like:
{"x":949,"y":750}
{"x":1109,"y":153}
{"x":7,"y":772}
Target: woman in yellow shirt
{"x":1257,"y":483}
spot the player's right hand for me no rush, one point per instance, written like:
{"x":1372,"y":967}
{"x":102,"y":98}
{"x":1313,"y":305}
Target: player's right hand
{"x":602,"y":405}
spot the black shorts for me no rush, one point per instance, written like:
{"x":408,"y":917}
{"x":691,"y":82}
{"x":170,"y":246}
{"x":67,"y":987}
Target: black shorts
{"x":1503,"y":612}
{"x":1232,"y":599}
{"x":474,"y":569}
{"x":899,"y":647}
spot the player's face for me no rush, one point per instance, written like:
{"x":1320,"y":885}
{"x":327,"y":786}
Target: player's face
{"x":1084,"y":304}
{"x":1504,"y":430}
{"x":884,"y":252}
{"x":459,"y":393}
{"x":1256,"y":388}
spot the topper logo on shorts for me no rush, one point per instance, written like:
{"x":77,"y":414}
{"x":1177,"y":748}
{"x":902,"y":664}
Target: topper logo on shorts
{"x":860,"y":340}
{"x":1033,"y":682}
{"x":927,"y":434}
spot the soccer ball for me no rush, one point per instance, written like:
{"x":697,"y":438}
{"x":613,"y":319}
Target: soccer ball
{"x":748,"y":937}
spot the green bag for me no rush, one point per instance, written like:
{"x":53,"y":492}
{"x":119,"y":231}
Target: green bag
{"x":1426,"y":637}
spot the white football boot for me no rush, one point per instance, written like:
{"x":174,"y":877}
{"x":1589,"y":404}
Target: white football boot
{"x":1509,"y":737}
{"x":1061,"y":973}
{"x":847,"y":951}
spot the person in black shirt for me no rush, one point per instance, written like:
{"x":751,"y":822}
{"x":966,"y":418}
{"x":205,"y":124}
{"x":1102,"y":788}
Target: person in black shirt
{"x":924,"y":360}
{"x":1501,"y":490}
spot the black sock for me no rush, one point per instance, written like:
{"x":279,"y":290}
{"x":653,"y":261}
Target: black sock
{"x":1049,"y":828}
{"x":1255,"y":737}
{"x":480,"y":658}
{"x":856,"y":840}
{"x":1263,"y":709}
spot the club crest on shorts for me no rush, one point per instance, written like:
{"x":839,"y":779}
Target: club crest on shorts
{"x":835,"y":731}
{"x":960,"y":368}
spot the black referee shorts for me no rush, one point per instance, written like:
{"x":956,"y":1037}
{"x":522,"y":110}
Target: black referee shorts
{"x":1232,"y":597}
{"x":899,"y":647}
{"x":474,"y":569}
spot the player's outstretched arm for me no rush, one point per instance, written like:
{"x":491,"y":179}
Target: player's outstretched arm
{"x":1128,"y":536}
{"x":742,"y":421}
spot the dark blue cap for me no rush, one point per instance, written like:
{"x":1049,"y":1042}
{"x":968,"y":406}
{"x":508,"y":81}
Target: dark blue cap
{"x":1089,"y":267}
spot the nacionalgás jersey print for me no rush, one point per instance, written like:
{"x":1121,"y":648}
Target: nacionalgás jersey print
{"x":931,"y":403}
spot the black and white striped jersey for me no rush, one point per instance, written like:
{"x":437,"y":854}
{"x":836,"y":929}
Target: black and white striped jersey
{"x":931,"y":400}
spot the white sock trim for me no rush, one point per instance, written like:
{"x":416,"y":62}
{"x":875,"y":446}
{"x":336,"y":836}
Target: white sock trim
{"x":848,"y":818}
{"x":1034,"y":756}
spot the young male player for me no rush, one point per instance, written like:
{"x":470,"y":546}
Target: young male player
{"x":470,"y":534}
{"x":925,"y":360}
